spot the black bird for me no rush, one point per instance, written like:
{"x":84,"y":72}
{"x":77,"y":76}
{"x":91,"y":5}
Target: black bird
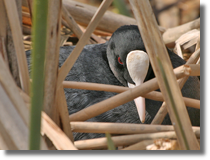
{"x":106,"y":63}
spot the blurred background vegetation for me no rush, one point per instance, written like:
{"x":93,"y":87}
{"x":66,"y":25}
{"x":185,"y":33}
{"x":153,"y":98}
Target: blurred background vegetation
{"x":169,"y":13}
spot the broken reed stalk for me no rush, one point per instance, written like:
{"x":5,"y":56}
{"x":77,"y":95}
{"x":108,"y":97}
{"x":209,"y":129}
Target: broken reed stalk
{"x":16,"y":30}
{"x":119,"y":128}
{"x":161,"y":65}
{"x":40,"y":10}
{"x":125,"y":140}
{"x":172,"y":34}
{"x":8,"y":83}
{"x":122,"y":98}
{"x":140,"y":145}
{"x":68,"y":64}
{"x":13,"y":129}
{"x":50,"y":129}
{"x":13,"y":116}
{"x":14,"y":111}
{"x":159,"y":117}
{"x":55,"y":134}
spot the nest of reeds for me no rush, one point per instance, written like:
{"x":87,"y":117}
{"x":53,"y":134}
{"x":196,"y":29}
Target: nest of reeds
{"x":74,"y":23}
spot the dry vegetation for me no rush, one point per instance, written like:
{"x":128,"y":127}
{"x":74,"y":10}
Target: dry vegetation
{"x":179,"y":27}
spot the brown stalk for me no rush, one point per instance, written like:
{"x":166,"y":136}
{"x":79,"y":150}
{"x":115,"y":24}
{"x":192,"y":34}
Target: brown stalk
{"x":66,"y":67}
{"x":172,"y":34}
{"x":14,"y":111}
{"x":158,"y":119}
{"x":51,"y":130}
{"x":12,"y":14}
{"x":70,"y":62}
{"x":119,"y":128}
{"x":56,"y":135}
{"x":154,"y":95}
{"x":160,"y":62}
{"x":52,"y":57}
{"x":6,"y":37}
{"x":51,"y":67}
{"x":110,"y":21}
{"x":140,"y":145}
{"x":8,"y":83}
{"x":71,"y":22}
{"x":122,"y":98}
{"x":63,"y":112}
{"x":99,"y":143}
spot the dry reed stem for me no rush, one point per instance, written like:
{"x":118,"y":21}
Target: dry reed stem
{"x":71,"y":23}
{"x":6,"y":35}
{"x":29,"y":3}
{"x":12,"y":127}
{"x":51,"y":69}
{"x":50,"y":129}
{"x":3,"y":51}
{"x":14,"y":111}
{"x":140,"y":145}
{"x":68,"y":64}
{"x":8,"y":83}
{"x":55,"y":134}
{"x":100,"y":143}
{"x":52,"y":57}
{"x":195,"y":68}
{"x":119,"y":128}
{"x":189,"y":39}
{"x":16,"y":30}
{"x":161,"y":66}
{"x":3,"y":15}
{"x":110,"y":21}
{"x":122,"y":98}
{"x":94,"y":86}
{"x":178,"y":50}
{"x":14,"y":130}
{"x":154,"y":95}
{"x":164,"y":144}
{"x":172,"y":34}
{"x":63,"y":112}
{"x":3,"y":145}
{"x":196,"y":48}
{"x":95,"y":37}
{"x":159,"y":117}
{"x":83,"y":13}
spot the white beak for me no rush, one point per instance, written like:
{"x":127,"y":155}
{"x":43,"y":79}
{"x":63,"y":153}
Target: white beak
{"x":138,"y":63}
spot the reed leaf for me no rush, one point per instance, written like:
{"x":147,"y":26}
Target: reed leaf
{"x":40,"y":10}
{"x":110,"y":143}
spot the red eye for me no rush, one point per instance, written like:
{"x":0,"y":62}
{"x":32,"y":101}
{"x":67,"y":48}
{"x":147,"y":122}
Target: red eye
{"x":119,"y":60}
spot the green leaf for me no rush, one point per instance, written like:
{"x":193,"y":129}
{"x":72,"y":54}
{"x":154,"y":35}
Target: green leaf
{"x":110,"y":143}
{"x":121,"y":6}
{"x":39,"y":30}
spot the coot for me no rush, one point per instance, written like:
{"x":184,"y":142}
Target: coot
{"x":106,"y":63}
